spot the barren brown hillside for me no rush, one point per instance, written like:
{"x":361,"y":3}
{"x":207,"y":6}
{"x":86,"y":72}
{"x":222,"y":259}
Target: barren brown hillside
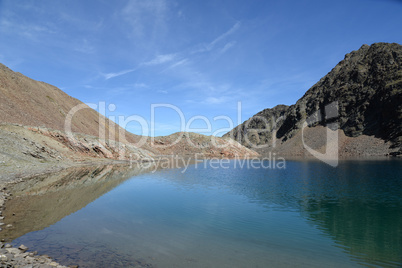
{"x":28,"y":102}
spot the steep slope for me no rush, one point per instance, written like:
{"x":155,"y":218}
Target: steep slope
{"x":28,"y":102}
{"x":259,"y":129}
{"x":365,"y":90}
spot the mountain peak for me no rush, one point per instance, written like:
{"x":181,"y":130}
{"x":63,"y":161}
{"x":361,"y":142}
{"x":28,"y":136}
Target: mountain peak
{"x":367,"y":89}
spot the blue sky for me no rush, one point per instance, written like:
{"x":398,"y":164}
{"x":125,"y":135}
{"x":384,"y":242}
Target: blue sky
{"x":202,"y":57}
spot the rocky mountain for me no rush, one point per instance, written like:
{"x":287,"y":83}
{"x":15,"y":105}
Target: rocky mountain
{"x":360,"y":97}
{"x":248,"y":134}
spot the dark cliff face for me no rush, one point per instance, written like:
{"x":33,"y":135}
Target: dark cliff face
{"x":259,"y":129}
{"x":367,"y":86}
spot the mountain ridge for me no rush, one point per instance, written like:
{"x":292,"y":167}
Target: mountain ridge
{"x":367,"y":86}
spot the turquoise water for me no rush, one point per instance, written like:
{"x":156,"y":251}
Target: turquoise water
{"x":307,"y":215}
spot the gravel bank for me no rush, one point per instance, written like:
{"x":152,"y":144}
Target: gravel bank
{"x":18,"y":257}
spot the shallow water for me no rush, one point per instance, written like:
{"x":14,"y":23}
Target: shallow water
{"x":307,"y":215}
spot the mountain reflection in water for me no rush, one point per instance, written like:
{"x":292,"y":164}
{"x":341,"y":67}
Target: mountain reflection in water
{"x":44,"y":200}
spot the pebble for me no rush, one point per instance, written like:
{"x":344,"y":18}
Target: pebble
{"x":3,"y":258}
{"x":23,"y":248}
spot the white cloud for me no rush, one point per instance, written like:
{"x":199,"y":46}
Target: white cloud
{"x":160,"y":59}
{"x":140,"y":85}
{"x":34,"y":32}
{"x":227,"y":47}
{"x":223,"y":36}
{"x":112,"y":75}
{"x":214,"y":100}
{"x":124,"y":90}
{"x":181,"y":62}
{"x":85,"y":47}
{"x":226,"y":34}
{"x":84,"y":24}
{"x":144,"y":17}
{"x":162,"y":91}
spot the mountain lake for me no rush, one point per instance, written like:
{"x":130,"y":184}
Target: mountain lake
{"x":306,"y":214}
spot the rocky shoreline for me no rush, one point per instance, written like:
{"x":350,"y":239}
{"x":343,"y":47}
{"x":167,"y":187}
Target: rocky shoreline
{"x":19,"y":257}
